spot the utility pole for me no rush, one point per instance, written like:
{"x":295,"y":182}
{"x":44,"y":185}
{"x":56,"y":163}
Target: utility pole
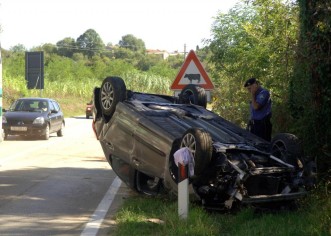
{"x":184,"y":51}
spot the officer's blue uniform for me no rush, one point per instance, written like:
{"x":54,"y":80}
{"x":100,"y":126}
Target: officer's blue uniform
{"x":260,"y":119}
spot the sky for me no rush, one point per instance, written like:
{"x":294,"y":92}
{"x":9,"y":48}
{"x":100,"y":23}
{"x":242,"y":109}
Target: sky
{"x":161,"y":24}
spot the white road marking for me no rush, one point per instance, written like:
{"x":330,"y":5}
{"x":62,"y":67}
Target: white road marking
{"x":92,"y":227}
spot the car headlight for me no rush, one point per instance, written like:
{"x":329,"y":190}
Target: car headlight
{"x":4,"y":120}
{"x":39,"y":120}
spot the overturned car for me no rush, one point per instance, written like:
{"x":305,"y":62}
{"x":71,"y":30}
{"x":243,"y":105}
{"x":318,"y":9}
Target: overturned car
{"x":139,"y":134}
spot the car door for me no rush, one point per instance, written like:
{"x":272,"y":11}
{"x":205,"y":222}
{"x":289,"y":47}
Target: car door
{"x":51,"y":116}
{"x":54,"y":116}
{"x":59,"y":115}
{"x":151,"y":147}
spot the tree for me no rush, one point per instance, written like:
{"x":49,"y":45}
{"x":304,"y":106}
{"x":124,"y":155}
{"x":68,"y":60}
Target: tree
{"x":310,"y":90}
{"x":66,"y":47}
{"x":132,"y":43}
{"x":18,"y":48}
{"x":48,"y":48}
{"x":90,"y":43}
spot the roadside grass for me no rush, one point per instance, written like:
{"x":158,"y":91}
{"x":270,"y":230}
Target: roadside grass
{"x":141,"y":215}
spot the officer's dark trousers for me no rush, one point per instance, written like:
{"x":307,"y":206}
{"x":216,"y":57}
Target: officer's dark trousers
{"x":262,"y":128}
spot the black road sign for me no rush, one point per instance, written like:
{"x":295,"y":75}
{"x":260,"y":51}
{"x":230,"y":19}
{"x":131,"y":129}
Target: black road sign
{"x":34,"y":70}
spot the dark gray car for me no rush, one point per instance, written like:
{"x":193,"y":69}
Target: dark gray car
{"x":140,"y":133}
{"x":33,"y":117}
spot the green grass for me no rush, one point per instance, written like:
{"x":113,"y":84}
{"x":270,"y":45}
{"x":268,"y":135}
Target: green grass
{"x":159,"y":216}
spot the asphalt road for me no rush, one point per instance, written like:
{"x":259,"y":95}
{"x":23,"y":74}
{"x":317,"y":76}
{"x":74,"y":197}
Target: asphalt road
{"x":60,"y":186}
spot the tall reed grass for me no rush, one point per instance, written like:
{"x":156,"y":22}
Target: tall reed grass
{"x":82,"y":89}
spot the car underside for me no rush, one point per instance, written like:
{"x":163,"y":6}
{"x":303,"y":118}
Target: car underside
{"x":140,"y":133}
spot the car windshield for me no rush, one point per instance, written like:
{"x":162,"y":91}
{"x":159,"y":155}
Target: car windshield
{"x":31,"y":105}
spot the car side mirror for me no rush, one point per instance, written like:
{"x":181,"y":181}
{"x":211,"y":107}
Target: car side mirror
{"x":54,"y":111}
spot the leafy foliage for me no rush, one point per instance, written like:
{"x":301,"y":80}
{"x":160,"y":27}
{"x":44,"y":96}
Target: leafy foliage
{"x":66,"y":47}
{"x":253,"y":40}
{"x":90,"y":43}
{"x":289,"y":52}
{"x":132,"y":43}
{"x":310,"y":90}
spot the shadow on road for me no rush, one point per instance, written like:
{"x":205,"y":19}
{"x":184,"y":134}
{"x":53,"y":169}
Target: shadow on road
{"x":52,"y":201}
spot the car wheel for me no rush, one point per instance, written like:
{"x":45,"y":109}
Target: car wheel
{"x":87,"y":117}
{"x":193,"y":94}
{"x":60,"y":132}
{"x":200,"y":144}
{"x":287,"y":147}
{"x":112,"y":91}
{"x":148,"y":185}
{"x":46,"y":135}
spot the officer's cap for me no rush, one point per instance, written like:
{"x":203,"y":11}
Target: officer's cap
{"x":250,"y":82}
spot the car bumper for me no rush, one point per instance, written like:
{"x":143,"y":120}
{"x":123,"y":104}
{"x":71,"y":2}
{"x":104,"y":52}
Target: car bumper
{"x":274,"y":198}
{"x":25,"y":130}
{"x":88,"y":112}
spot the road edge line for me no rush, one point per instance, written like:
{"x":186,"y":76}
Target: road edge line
{"x":95,"y":221}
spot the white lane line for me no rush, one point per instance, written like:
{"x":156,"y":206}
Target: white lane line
{"x":92,"y":227}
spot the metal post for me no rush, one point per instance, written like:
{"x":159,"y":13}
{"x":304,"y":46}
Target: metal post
{"x":184,"y":51}
{"x":183,"y":192}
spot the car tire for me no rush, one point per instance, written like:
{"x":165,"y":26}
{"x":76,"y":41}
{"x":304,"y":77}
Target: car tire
{"x":60,"y":132}
{"x":46,"y":135}
{"x":200,"y":144}
{"x":193,"y":94}
{"x":288,"y":148}
{"x":112,"y":91}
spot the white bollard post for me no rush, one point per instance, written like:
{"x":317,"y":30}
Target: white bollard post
{"x":183,"y":192}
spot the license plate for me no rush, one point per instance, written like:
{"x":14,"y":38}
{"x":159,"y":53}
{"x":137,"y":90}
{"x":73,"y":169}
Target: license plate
{"x":18,"y":128}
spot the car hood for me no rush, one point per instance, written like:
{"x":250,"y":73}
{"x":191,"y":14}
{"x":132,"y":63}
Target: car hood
{"x":23,"y":115}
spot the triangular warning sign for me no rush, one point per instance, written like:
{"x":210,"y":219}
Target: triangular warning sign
{"x":192,"y":72}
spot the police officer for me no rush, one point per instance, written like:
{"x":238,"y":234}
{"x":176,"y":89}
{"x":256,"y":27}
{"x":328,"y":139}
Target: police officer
{"x":260,"y":109}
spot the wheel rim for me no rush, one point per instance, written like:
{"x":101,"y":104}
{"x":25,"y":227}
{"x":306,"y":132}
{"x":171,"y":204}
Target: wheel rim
{"x":279,"y":150}
{"x":189,"y":142}
{"x":107,"y":95}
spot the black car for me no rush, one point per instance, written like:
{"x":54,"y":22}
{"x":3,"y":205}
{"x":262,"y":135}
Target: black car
{"x":139,"y":134}
{"x":33,"y":117}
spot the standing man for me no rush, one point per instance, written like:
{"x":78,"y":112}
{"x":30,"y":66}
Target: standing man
{"x":260,"y":109}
